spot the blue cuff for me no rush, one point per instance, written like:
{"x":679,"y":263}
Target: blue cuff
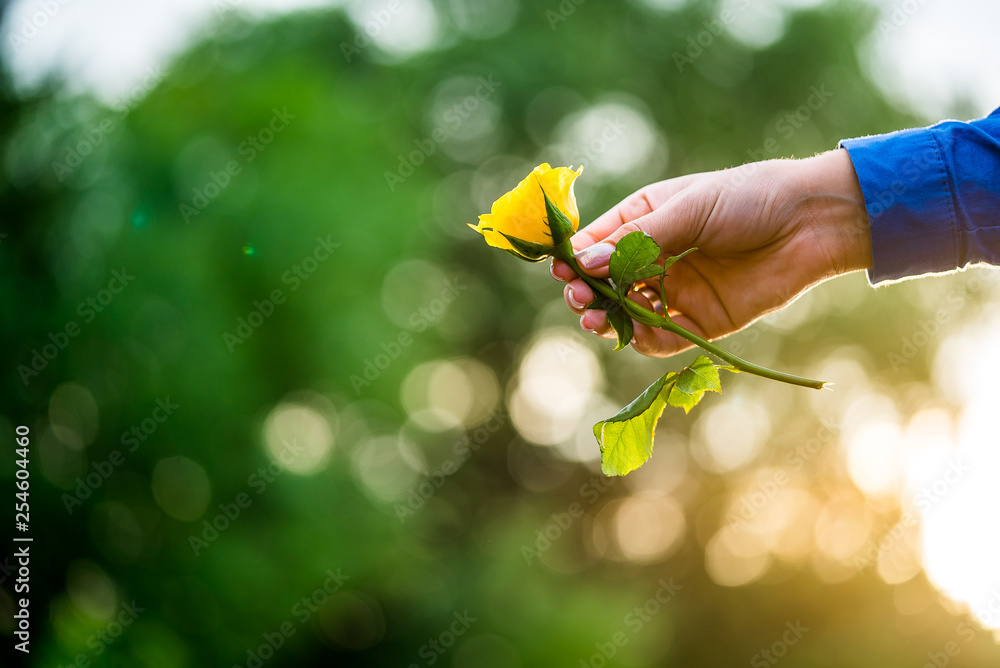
{"x":910,"y":202}
{"x":933,"y":196}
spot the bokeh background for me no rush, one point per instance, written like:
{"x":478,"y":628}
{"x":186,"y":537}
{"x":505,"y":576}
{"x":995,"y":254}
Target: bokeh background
{"x":286,"y":409}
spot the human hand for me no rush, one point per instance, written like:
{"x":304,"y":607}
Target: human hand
{"x":765,"y":232}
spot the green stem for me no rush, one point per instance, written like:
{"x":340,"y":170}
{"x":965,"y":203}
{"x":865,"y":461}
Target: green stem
{"x":647,"y":317}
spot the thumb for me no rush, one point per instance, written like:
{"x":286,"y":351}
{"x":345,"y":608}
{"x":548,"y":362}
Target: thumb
{"x":671,"y":226}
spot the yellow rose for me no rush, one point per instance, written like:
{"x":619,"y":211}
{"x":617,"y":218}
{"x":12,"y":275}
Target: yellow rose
{"x":521,"y":212}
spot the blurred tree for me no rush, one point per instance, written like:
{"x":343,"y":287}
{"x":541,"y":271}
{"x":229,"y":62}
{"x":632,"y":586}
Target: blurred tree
{"x":293,"y":221}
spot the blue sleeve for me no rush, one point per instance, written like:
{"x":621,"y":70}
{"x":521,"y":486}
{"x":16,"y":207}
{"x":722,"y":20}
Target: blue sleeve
{"x":933,"y":196}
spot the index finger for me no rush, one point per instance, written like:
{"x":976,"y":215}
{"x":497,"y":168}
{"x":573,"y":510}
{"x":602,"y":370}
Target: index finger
{"x":638,"y":204}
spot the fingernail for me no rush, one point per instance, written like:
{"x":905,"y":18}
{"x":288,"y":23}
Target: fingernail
{"x":552,"y":272}
{"x":585,"y":328}
{"x":596,"y":256}
{"x":573,"y":300}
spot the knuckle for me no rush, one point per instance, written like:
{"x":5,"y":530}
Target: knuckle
{"x":637,"y":204}
{"x":645,"y":204}
{"x":640,"y":346}
{"x":628,"y":228}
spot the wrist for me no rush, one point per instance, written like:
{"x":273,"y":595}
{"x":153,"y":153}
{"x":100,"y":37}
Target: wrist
{"x":832,"y":207}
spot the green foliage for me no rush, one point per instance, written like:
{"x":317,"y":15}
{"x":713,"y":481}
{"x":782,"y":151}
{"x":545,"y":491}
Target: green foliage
{"x":634,"y":259}
{"x":324,"y":175}
{"x":560,"y":226}
{"x":626,"y":439}
{"x":527,"y":250}
{"x":621,"y":321}
{"x":693,"y":382}
{"x":670,"y":261}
